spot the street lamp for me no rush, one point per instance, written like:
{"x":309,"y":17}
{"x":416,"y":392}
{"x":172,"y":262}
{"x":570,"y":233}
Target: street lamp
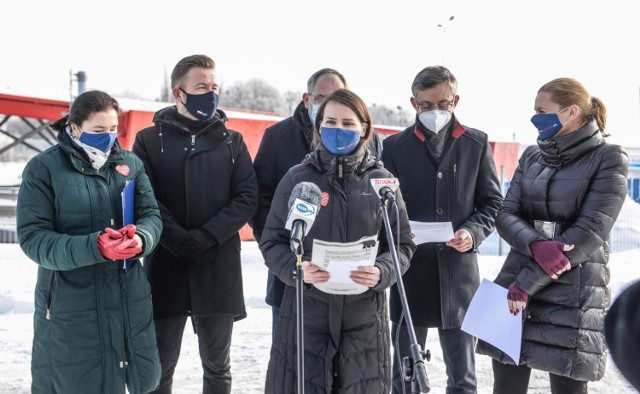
{"x":443,"y":26}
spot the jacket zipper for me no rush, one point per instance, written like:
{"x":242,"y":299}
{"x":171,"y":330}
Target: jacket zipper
{"x":161,"y":139}
{"x":193,"y":142}
{"x":233,"y":159}
{"x":455,"y":180}
{"x":52,"y":296}
{"x":123,"y":302}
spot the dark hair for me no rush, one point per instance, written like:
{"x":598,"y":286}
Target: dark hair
{"x":187,"y":63}
{"x":568,"y":91}
{"x":432,"y":76}
{"x":355,"y":103}
{"x":84,"y":106}
{"x":311,"y":83}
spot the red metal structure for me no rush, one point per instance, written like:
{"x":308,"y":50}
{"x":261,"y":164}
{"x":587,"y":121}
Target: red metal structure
{"x":36,"y":113}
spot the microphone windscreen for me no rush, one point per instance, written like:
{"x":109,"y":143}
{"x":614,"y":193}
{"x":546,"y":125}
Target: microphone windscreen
{"x":308,"y":192}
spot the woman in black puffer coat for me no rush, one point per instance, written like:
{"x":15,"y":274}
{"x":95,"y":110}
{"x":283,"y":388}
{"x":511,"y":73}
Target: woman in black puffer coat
{"x":563,"y":200}
{"x":346,"y":337}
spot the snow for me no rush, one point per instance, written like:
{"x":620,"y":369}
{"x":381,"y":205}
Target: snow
{"x":252,"y":336}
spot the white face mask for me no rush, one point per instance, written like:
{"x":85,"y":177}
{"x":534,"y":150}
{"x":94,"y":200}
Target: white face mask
{"x":435,"y":120}
{"x":314,"y":112}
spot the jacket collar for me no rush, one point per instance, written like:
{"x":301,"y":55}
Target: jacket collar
{"x":327,"y":163}
{"x":456,"y":129}
{"x":169,"y":116}
{"x":302,"y":120}
{"x":569,"y":147}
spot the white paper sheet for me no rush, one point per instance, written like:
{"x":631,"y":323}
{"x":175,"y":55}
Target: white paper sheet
{"x":489,"y":319}
{"x":340,"y":259}
{"x":431,"y":231}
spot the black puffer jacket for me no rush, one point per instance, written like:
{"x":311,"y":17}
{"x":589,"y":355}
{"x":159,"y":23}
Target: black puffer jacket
{"x":282,"y":146}
{"x":202,"y":180}
{"x":346,"y":336}
{"x":580,"y":182}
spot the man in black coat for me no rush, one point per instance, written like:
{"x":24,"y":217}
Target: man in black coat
{"x":206,"y":189}
{"x":447,"y":174}
{"x":284,"y":145}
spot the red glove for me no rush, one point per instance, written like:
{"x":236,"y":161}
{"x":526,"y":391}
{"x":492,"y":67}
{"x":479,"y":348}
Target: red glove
{"x":115,"y":248}
{"x":515,"y":295}
{"x":550,"y":257}
{"x":127,"y":232}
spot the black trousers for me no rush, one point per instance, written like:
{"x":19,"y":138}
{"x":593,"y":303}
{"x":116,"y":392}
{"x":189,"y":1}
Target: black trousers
{"x":512,"y":379}
{"x":457,"y":352}
{"x":214,"y":343}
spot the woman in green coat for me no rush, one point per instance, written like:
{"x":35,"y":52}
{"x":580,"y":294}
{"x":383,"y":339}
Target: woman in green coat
{"x":93,"y":323}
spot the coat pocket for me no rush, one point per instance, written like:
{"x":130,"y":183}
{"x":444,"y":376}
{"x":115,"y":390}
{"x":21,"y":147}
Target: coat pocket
{"x":144,"y":365}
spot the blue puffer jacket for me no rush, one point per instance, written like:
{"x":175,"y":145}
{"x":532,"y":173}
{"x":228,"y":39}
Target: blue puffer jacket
{"x":93,"y":325}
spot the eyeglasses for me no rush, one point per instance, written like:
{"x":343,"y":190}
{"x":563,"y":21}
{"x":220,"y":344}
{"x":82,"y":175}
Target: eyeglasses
{"x":318,"y":99}
{"x":443,"y":106}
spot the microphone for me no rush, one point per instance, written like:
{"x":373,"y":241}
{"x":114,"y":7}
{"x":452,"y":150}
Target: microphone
{"x":385,"y":187}
{"x":304,"y":204}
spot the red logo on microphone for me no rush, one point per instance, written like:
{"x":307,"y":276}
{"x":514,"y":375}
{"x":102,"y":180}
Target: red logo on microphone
{"x":325,"y":199}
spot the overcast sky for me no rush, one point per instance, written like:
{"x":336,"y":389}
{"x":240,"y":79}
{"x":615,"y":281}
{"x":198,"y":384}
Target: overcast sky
{"x":500,"y":51}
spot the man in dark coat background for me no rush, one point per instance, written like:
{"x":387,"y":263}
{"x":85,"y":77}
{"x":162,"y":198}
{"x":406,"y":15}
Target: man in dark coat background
{"x":284,"y":145}
{"x":447,"y":174}
{"x":206,"y":189}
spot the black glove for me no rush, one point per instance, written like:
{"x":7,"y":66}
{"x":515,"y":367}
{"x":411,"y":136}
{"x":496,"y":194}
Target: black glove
{"x":196,"y":244}
{"x":206,"y":257}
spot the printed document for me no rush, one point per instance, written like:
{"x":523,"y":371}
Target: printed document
{"x":431,"y":231}
{"x":488,"y":318}
{"x":340,"y":259}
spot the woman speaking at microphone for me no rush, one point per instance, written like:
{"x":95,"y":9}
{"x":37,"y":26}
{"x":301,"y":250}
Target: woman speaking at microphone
{"x":346,"y":336}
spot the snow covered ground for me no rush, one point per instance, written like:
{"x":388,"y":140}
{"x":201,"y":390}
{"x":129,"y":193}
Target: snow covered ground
{"x":252,"y":336}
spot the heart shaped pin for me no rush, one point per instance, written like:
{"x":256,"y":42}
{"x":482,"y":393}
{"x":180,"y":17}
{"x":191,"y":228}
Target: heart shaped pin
{"x":123,"y":169}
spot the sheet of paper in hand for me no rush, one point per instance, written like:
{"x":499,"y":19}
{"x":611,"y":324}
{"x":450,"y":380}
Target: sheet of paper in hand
{"x":340,"y":259}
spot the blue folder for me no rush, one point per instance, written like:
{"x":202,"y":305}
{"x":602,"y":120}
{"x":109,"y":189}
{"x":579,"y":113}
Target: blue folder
{"x":127,"y":210}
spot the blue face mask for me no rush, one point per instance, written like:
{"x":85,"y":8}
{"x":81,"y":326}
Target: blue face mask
{"x":202,"y":106}
{"x":339,"y":141}
{"x":314,"y":113}
{"x":100,"y":141}
{"x":547,"y":125}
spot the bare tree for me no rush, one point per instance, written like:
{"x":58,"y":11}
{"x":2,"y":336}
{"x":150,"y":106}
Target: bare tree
{"x":256,"y":95}
{"x":292,"y":99}
{"x":389,"y":116}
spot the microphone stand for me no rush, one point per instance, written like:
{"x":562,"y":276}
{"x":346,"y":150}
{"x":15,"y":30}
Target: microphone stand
{"x":413,"y":368}
{"x":298,"y":274}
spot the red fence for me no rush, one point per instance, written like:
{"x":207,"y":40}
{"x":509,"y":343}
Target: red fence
{"x":250,"y":124}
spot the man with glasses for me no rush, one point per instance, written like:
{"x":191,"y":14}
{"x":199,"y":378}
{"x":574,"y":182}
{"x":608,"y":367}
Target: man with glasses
{"x":206,"y":188}
{"x":284,"y":145}
{"x":447,"y":174}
